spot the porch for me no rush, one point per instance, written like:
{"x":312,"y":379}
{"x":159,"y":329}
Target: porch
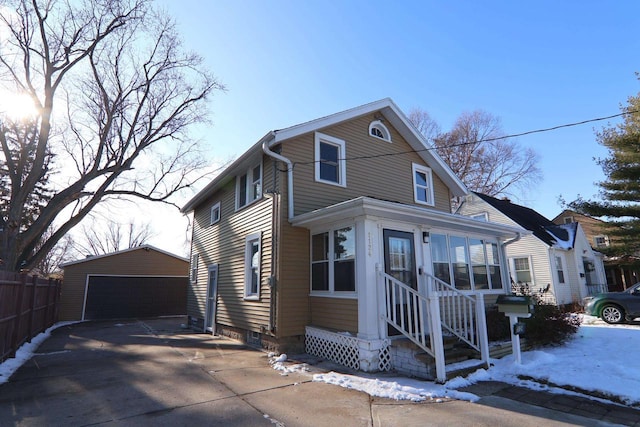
{"x":434,"y":337}
{"x":416,"y":280}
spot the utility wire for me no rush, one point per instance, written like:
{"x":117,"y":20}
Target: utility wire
{"x":514,"y":135}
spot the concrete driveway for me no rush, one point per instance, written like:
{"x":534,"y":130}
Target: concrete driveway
{"x":153,"y":372}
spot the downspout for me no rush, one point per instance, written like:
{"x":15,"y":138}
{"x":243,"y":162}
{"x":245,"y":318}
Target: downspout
{"x":268,"y":152}
{"x":276,"y":229}
{"x":504,"y":254}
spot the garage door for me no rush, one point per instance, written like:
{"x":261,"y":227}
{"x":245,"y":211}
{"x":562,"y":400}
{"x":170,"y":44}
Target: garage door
{"x":115,"y":297}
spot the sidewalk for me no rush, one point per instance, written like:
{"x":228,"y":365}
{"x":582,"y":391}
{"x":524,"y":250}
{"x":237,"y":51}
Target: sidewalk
{"x":490,"y":392}
{"x":153,"y":372}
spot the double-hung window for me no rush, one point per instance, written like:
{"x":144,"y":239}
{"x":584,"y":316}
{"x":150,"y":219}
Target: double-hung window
{"x":249,"y":186}
{"x":194,"y":268}
{"x":333,"y":256}
{"x":215,"y":213}
{"x":330,"y":162}
{"x":559,"y":269}
{"x":252,"y":267}
{"x":522,"y":270}
{"x":601,"y":241}
{"x":422,"y":185}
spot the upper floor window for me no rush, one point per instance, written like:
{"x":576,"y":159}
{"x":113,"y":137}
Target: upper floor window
{"x":422,"y":185}
{"x":252,"y":267}
{"x":483,"y":216}
{"x":330,"y":163}
{"x":601,"y":241}
{"x":379,"y":130}
{"x":194,"y":268}
{"x":333,"y":261}
{"x":215,"y":213}
{"x":249,"y":186}
{"x":568,"y":219}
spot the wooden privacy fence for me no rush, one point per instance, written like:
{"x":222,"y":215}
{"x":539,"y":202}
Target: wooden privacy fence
{"x":28,"y":306}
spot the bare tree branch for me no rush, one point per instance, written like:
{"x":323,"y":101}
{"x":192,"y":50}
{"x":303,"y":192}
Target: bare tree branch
{"x":479,"y":156}
{"x":116,"y":95}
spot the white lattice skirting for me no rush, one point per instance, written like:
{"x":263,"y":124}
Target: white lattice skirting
{"x":347,"y":350}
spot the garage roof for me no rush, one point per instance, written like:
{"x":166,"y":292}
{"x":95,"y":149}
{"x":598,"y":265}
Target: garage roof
{"x":137,"y":248}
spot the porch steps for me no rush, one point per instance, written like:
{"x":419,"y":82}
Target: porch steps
{"x":460,"y":360}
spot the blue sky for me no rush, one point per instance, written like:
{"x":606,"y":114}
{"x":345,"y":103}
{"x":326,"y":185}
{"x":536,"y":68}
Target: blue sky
{"x":534,"y":65}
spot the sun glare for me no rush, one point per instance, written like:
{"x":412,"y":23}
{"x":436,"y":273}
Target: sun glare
{"x":16,"y":106}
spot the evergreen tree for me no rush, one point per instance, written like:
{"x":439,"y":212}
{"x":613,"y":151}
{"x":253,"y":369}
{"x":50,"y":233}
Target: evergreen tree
{"x":620,"y":191}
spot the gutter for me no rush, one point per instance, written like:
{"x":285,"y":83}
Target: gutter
{"x":267,"y":150}
{"x":515,"y":239}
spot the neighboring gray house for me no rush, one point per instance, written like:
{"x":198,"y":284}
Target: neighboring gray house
{"x":554,"y":261}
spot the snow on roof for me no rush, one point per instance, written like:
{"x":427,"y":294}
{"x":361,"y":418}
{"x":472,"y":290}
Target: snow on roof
{"x":564,"y":235}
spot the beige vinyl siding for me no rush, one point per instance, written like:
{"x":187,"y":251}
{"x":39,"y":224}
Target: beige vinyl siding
{"x":340,"y":314}
{"x":139,"y":262}
{"x":381,"y":176}
{"x":223,"y":244}
{"x":293,"y":279}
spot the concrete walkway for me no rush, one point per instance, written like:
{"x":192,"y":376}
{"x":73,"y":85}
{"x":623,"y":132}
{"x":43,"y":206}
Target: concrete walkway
{"x":153,"y":372}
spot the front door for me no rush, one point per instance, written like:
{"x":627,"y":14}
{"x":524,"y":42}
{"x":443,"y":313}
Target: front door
{"x":212,"y":296}
{"x":400,"y":256}
{"x":400,"y":263}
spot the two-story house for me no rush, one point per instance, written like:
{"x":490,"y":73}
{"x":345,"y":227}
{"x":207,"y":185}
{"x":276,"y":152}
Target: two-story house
{"x":620,"y":271}
{"x":555,"y":262}
{"x":336,"y":236}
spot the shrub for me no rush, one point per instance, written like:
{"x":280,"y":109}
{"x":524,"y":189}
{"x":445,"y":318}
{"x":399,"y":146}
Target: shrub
{"x":497,"y":325}
{"x":548,"y":325}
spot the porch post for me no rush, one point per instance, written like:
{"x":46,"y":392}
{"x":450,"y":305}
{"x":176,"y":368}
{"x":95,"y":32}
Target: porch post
{"x":367,"y":276}
{"x":435,"y":326}
{"x":481,"y":318}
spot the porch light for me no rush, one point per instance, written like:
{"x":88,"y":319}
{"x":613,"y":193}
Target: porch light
{"x":425,"y":237}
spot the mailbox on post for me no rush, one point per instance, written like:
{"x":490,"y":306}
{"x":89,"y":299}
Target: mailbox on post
{"x":515,"y":306}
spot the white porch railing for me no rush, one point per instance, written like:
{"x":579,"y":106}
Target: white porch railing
{"x":462,"y":315}
{"x":421,"y":318}
{"x":406,"y":310}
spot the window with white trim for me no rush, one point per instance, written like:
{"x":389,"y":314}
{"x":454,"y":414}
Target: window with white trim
{"x":483,"y":216}
{"x":194,"y":268}
{"x":249,"y":186}
{"x":466,"y":263}
{"x":559,"y":269}
{"x":215,"y":213}
{"x":601,"y":241}
{"x":252,"y":258}
{"x":568,"y":219}
{"x":422,"y":185}
{"x":330,"y":163}
{"x":485,"y":264}
{"x":522,"y":270}
{"x":378,"y":130}
{"x":333,"y":255}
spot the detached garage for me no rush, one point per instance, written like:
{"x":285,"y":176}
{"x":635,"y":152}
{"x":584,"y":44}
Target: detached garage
{"x":138,"y":282}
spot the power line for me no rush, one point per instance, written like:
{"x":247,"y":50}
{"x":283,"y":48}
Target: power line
{"x":514,"y":135}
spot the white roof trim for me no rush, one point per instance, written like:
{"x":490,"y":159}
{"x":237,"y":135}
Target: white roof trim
{"x":389,"y":110}
{"x":145,"y":247}
{"x":366,"y":206}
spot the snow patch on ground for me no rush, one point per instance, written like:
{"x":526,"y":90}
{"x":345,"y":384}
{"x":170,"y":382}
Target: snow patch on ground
{"x":26,"y":352}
